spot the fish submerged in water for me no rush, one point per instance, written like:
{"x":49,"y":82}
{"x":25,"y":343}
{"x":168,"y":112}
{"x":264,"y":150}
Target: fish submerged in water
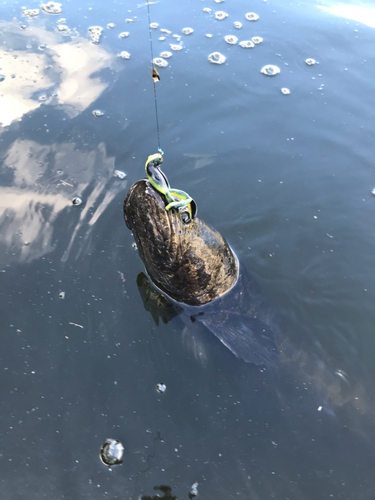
{"x":194,"y":267}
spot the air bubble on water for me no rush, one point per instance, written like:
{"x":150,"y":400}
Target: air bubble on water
{"x":98,"y":113}
{"x":219,"y":1}
{"x":220,"y":15}
{"x":161,"y":387}
{"x":310,"y":62}
{"x":95,"y":32}
{"x":231,"y":39}
{"x":42,"y":46}
{"x":62,"y":28}
{"x":23,"y":26}
{"x":43,"y":97}
{"x":251,"y":16}
{"x":257,"y":40}
{"x":2,"y":78}
{"x":187,"y":31}
{"x":162,"y":38}
{"x":247,"y":44}
{"x":62,"y":295}
{"x":129,"y":21}
{"x":120,"y":174}
{"x":177,"y":37}
{"x":76,"y":201}
{"x":51,"y":7}
{"x":285,"y":91}
{"x":154,"y":26}
{"x":160,"y":62}
{"x":166,"y":54}
{"x":175,"y":47}
{"x":134,"y":245}
{"x":124,"y":55}
{"x":216,"y":58}
{"x":209,"y":35}
{"x":110,"y":26}
{"x":31,"y":12}
{"x":207,"y":9}
{"x":167,"y":32}
{"x":111,"y":452}
{"x":237,"y":25}
{"x":270,"y":70}
{"x":124,"y":34}
{"x":373,"y":192}
{"x":62,"y":20}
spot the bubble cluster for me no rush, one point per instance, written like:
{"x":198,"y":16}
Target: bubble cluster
{"x":187,"y":31}
{"x":231,"y":39}
{"x":247,"y":44}
{"x":124,"y":55}
{"x":166,"y":54}
{"x":285,"y":91}
{"x":160,"y":62}
{"x":220,"y":15}
{"x":98,"y":113}
{"x":251,"y":16}
{"x":51,"y":7}
{"x":111,"y":452}
{"x":95,"y":32}
{"x":31,"y":12}
{"x":120,"y":174}
{"x":124,"y":34}
{"x":216,"y":58}
{"x":257,"y":40}
{"x":310,"y":62}
{"x":175,"y":47}
{"x":237,"y":25}
{"x":270,"y":70}
{"x":154,"y":26}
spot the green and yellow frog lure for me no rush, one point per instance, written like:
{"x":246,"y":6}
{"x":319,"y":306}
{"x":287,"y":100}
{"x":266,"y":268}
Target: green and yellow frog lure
{"x":176,"y":198}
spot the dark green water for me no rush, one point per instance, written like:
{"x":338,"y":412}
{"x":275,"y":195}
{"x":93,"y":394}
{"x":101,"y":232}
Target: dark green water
{"x":287,"y":179}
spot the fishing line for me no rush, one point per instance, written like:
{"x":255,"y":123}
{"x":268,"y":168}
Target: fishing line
{"x":155,"y":78}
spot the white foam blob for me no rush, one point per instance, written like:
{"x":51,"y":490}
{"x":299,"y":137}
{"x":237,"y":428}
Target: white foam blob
{"x":247,"y":44}
{"x":216,"y":58}
{"x":310,"y":62}
{"x":166,"y":54}
{"x":175,"y":47}
{"x":257,"y":40}
{"x":30,"y":12}
{"x":237,"y":25}
{"x":129,"y":20}
{"x":207,"y":9}
{"x":251,"y":16}
{"x":110,"y":25}
{"x":285,"y":91}
{"x":124,"y":34}
{"x":124,"y":55}
{"x":95,"y":32}
{"x":51,"y":7}
{"x":62,"y":28}
{"x":167,"y":32}
{"x":154,"y":26}
{"x":220,"y":15}
{"x":209,"y":35}
{"x":270,"y":70}
{"x":177,"y":37}
{"x":219,"y":1}
{"x":231,"y":39}
{"x":62,"y":20}
{"x":120,"y":174}
{"x":187,"y":31}
{"x":160,"y":62}
{"x":98,"y":113}
{"x":162,"y":38}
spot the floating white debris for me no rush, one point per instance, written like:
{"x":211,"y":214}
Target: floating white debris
{"x":310,"y":62}
{"x":175,"y":47}
{"x":209,"y":35}
{"x":110,"y":25}
{"x":187,"y":31}
{"x":216,"y":58}
{"x":207,"y":9}
{"x":95,"y":32}
{"x":162,"y":38}
{"x":154,"y":26}
{"x":76,"y":201}
{"x":285,"y":91}
{"x":51,"y":7}
{"x":124,"y":55}
{"x":166,"y":54}
{"x":31,"y":12}
{"x":257,"y":40}
{"x":62,"y":295}
{"x":270,"y":70}
{"x":220,"y":15}
{"x":98,"y":113}
{"x":161,"y":388}
{"x":111,"y":452}
{"x":167,"y":32}
{"x":231,"y":39}
{"x":124,"y":34}
{"x":120,"y":174}
{"x":247,"y":44}
{"x":320,"y":408}
{"x":251,"y":16}
{"x":237,"y":25}
{"x":373,"y":192}
{"x":194,"y":487}
{"x":160,"y":62}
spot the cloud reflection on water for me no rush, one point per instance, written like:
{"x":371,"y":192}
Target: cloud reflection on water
{"x":360,"y":13}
